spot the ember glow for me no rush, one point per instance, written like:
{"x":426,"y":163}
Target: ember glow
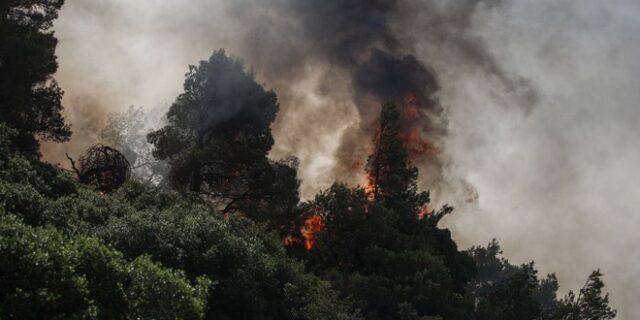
{"x":368,"y":186}
{"x":415,"y":142}
{"x":425,"y":211}
{"x":312,"y":226}
{"x":417,"y":145}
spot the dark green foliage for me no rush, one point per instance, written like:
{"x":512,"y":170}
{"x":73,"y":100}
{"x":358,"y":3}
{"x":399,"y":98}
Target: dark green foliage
{"x":218,"y":129}
{"x":217,"y":139}
{"x":30,"y":100}
{"x":385,"y":270}
{"x":505,"y":291}
{"x":378,"y":251}
{"x":511,"y":298}
{"x":589,"y":304}
{"x":46,"y":275}
{"x":392,"y":176}
{"x":254,"y":278}
{"x":275,"y":200}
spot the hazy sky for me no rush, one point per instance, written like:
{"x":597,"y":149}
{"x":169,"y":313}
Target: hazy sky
{"x":558,"y":180}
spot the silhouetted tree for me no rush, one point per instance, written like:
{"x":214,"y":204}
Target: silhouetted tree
{"x":589,"y":304}
{"x":505,"y":291}
{"x":273,"y":198}
{"x":30,"y":99}
{"x":218,"y":136}
{"x":218,"y":132}
{"x":392,"y":176}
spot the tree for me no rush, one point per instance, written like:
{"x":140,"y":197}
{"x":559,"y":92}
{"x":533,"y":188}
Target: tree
{"x":255,"y":279}
{"x":30,"y":99}
{"x":275,"y":197}
{"x":218,"y":136}
{"x":392,"y":177}
{"x":388,"y":271}
{"x":218,"y":132}
{"x":589,"y":304}
{"x":374,"y":246}
{"x":502,"y":290}
{"x":152,"y":230}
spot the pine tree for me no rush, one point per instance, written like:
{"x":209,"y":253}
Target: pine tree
{"x":30,"y":99}
{"x":217,"y":140}
{"x":392,"y":177}
{"x":589,"y":304}
{"x":374,"y":246}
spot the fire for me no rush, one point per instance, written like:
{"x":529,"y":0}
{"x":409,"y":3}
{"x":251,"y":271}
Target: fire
{"x":412,"y":136}
{"x":411,"y":106}
{"x":289,"y":241}
{"x":312,"y":226}
{"x":424,"y":212}
{"x":368,"y":185}
{"x":416,"y":145}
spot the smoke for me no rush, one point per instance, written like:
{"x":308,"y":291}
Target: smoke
{"x":522,"y":113}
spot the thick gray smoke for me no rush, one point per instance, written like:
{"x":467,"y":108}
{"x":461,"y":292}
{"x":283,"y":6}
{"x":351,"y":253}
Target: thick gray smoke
{"x":523,"y":112}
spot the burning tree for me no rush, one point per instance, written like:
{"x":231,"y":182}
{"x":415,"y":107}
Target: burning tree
{"x":391,"y":178}
{"x":373,"y":243}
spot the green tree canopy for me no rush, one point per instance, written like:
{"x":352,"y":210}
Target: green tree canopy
{"x":45,"y":274}
{"x":253,"y":277}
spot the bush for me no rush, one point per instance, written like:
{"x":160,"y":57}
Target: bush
{"x":45,"y":274}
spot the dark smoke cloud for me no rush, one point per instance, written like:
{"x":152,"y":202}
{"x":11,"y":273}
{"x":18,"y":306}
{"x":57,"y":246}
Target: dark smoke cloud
{"x":345,"y":30}
{"x":390,"y":78}
{"x":376,"y":44}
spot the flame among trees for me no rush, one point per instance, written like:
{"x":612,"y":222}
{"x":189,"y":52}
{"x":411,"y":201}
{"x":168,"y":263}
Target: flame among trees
{"x":379,"y":246}
{"x":383,"y":239}
{"x":390,"y":176}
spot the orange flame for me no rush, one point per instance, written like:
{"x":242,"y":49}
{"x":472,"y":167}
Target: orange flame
{"x":424,"y":212}
{"x":416,"y":145}
{"x":312,"y":226}
{"x":412,"y":136}
{"x":290,"y":240}
{"x":411,"y":106}
{"x":368,"y":185}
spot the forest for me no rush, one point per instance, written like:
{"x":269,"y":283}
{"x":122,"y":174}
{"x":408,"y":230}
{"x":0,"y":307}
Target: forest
{"x":207,"y":226}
